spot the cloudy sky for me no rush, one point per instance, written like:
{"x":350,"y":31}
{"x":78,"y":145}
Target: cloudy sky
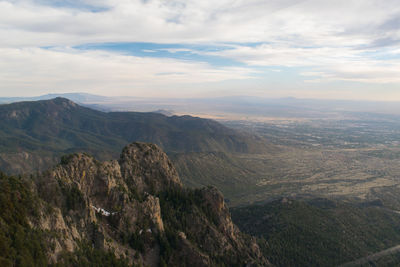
{"x":342,"y":49}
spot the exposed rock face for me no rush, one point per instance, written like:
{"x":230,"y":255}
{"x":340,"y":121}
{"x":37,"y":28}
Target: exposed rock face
{"x":141,"y":163}
{"x":137,"y":208}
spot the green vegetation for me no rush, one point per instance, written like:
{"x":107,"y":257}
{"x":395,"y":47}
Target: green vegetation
{"x":16,"y":204}
{"x":319,"y":232}
{"x":22,"y":245}
{"x":87,"y":256}
{"x":175,"y":204}
{"x":60,"y":126}
{"x":73,"y":197}
{"x":184,"y":210}
{"x":191,"y":219}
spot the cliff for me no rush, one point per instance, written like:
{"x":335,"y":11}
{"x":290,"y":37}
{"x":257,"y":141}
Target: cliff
{"x":131,"y":211}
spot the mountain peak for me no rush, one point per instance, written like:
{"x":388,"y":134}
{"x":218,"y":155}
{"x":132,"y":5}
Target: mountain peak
{"x":147,"y":167}
{"x":136,"y":209}
{"x":60,"y":99}
{"x":63,"y":102}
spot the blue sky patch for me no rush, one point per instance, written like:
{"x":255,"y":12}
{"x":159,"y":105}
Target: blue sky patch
{"x":72,"y":4}
{"x":196,"y":53}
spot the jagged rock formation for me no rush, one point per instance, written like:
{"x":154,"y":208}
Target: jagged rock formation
{"x":137,"y":210}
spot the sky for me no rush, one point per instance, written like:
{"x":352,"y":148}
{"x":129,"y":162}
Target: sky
{"x":184,"y":48}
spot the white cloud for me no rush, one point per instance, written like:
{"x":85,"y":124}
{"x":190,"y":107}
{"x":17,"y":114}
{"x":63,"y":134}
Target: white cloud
{"x":335,"y":40}
{"x":63,"y":70}
{"x":326,"y":63}
{"x":294,"y":22}
{"x":176,"y":50}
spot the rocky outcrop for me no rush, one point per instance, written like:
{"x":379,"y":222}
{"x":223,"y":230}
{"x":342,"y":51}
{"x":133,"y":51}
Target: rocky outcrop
{"x":147,"y":168}
{"x":137,"y":208}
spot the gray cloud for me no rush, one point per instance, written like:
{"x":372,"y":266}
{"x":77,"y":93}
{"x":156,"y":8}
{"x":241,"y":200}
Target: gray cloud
{"x":391,"y":24}
{"x":384,"y":42}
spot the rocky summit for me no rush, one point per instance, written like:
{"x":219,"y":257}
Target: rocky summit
{"x":132,"y":211}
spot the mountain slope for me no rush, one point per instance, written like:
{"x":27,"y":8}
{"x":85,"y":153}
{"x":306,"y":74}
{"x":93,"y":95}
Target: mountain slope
{"x":320,"y":232}
{"x":122,"y":212}
{"x":34,"y":134}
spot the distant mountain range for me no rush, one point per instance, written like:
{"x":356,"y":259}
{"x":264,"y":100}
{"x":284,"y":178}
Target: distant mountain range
{"x":34,"y":134}
{"x":234,"y":105}
{"x":76,"y":97}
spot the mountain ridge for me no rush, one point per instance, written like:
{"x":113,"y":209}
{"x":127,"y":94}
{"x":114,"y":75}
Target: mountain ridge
{"x":50,"y":128}
{"x":133,"y":210}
